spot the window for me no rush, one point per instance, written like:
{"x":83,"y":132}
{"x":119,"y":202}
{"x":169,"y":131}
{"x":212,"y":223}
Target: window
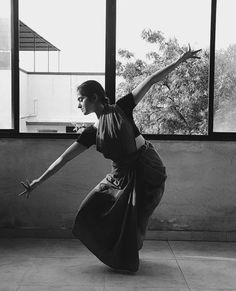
{"x":62,"y":44}
{"x":225,"y":68}
{"x":149,"y":37}
{"x":5,"y":65}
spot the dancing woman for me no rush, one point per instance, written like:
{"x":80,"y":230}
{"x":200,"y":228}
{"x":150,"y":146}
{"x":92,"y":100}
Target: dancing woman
{"x":112,"y":220}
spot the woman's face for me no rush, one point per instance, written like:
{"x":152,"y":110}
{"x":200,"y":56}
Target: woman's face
{"x":85,"y":105}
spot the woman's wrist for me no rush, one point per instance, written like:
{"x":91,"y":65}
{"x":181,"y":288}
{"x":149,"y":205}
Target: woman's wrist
{"x":181,"y":59}
{"x":37,"y":181}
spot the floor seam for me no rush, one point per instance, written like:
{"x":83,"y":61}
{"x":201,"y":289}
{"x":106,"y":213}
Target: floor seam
{"x":178,"y":265}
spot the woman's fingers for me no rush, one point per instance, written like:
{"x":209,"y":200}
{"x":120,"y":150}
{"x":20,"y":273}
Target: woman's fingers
{"x":25,"y":185}
{"x":197,"y":51}
{"x":28,"y":183}
{"x":27,"y":189}
{"x":22,"y":193}
{"x":192,"y":54}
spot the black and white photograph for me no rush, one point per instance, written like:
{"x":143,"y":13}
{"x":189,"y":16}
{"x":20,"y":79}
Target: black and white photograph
{"x":117,"y":145}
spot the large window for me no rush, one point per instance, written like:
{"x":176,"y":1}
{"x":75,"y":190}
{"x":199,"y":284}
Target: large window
{"x":225,"y":68}
{"x":5,"y":65}
{"x":152,"y":34}
{"x":62,"y":44}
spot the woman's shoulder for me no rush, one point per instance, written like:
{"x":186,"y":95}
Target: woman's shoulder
{"x":126,"y":101}
{"x":88,"y":136}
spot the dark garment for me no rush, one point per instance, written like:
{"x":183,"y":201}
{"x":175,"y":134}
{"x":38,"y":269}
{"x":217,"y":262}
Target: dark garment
{"x":88,"y":137}
{"x":115,"y":135}
{"x":113,"y":218}
{"x":126,"y":104}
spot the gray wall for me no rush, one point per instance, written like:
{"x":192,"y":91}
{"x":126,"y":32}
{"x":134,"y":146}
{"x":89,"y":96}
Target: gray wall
{"x":199,"y":201}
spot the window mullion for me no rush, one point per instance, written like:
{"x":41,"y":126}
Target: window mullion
{"x":15,"y":64}
{"x":110,"y":66}
{"x":212,"y":68}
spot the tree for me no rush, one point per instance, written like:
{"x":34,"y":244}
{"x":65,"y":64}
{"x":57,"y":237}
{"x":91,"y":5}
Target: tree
{"x":225,"y":76}
{"x":176,"y":105}
{"x":225,"y":90}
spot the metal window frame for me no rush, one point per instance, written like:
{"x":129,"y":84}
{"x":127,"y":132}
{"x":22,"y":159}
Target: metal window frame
{"x":110,"y":77}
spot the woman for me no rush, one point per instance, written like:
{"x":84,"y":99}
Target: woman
{"x":113,"y":218}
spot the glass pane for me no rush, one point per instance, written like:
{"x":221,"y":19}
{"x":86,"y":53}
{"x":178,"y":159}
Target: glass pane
{"x":225,"y":68}
{"x":5,"y":65}
{"x":152,"y":34}
{"x":62,"y":44}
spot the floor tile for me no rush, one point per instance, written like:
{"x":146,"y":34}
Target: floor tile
{"x":65,"y":272}
{"x":156,"y":249}
{"x":209,"y":274}
{"x":40,"y":248}
{"x":66,"y":248}
{"x":12,"y":273}
{"x":8,"y":287}
{"x":59,"y":288}
{"x":65,"y":264}
{"x":194,"y":289}
{"x":156,"y":274}
{"x":204,"y":250}
{"x":145,"y":289}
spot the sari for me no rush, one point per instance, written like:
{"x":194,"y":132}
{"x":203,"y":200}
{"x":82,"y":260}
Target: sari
{"x":112,"y":220}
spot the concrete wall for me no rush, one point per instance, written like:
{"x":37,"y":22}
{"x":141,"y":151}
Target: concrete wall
{"x":200,"y":196}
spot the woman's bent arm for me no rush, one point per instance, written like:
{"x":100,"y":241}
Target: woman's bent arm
{"x":74,"y":150}
{"x":144,"y":86}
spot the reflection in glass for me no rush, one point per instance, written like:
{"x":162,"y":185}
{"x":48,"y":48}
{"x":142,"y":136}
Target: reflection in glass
{"x":225,"y":68}
{"x":5,"y":65}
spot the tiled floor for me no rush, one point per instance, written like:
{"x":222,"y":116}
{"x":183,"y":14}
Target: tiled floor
{"x":65,"y":264}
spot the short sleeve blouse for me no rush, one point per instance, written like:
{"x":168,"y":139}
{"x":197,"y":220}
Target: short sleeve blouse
{"x":127,"y":104}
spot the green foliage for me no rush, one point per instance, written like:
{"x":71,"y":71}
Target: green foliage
{"x":176,"y":105}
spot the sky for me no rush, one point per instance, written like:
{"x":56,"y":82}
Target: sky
{"x":77,"y":28}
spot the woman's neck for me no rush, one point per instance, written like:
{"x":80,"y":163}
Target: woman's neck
{"x":99,"y":109}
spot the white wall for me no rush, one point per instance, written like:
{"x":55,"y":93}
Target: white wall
{"x":5,"y":99}
{"x":52,"y":98}
{"x":56,"y":95}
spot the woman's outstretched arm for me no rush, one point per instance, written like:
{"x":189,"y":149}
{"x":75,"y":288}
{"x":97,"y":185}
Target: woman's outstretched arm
{"x":143,"y":87}
{"x":74,"y":150}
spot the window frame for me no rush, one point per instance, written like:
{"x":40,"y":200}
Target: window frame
{"x":110,"y":83}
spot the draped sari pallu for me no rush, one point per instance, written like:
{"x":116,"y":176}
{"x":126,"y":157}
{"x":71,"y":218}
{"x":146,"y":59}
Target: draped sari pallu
{"x":112,"y":220}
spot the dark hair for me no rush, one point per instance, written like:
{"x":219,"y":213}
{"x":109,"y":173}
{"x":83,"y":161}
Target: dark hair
{"x":91,"y":87}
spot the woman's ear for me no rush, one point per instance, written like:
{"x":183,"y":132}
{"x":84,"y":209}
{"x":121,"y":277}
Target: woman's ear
{"x":95,"y":97}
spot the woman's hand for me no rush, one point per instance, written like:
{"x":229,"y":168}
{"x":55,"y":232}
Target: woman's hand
{"x":28,"y":187}
{"x":189,"y":54}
